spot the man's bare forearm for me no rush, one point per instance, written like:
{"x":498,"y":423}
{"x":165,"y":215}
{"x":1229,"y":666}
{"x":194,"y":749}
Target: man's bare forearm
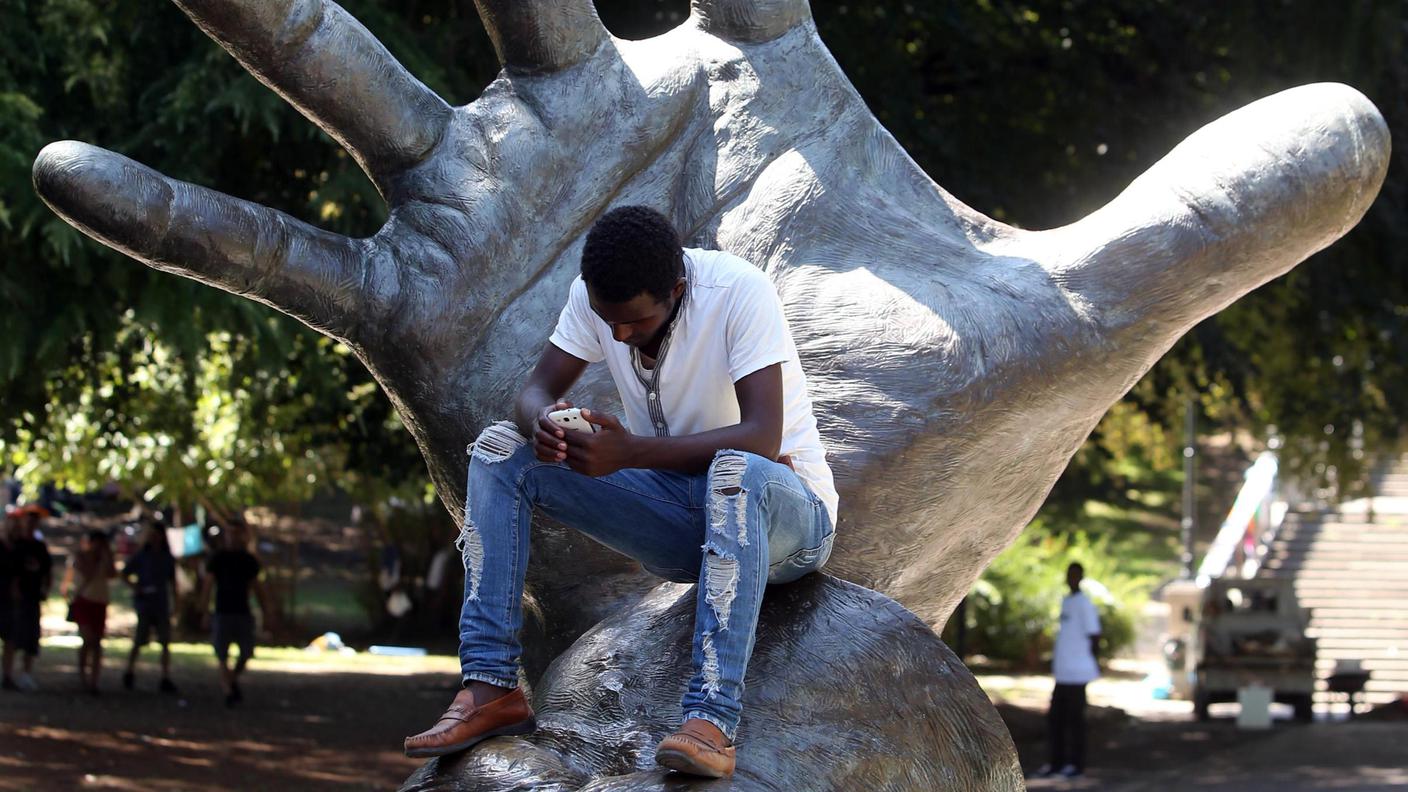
{"x":612,"y":448}
{"x":262,"y":597}
{"x":528,"y":405}
{"x":693,"y":453}
{"x":548,"y":383}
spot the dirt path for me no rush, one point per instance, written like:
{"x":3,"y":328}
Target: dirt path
{"x":315,"y":725}
{"x":1359,"y":756}
{"x":1143,"y":756}
{"x":295,"y":730}
{"x":1140,"y":744}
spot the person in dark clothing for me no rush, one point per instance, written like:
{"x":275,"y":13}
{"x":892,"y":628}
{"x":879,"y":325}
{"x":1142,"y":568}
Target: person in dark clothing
{"x":233,"y":574}
{"x":1075,"y":663}
{"x":7,"y":600}
{"x":26,"y":573}
{"x":151,"y":572}
{"x":8,"y":596}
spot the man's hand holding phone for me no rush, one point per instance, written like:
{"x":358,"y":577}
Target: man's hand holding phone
{"x":607,"y":448}
{"x":549,"y":439}
{"x":589,"y":442}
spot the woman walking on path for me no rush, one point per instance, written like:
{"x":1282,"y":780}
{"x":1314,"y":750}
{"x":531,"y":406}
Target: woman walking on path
{"x":87,"y":578}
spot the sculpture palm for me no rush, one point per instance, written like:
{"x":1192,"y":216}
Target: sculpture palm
{"x":956,"y":363}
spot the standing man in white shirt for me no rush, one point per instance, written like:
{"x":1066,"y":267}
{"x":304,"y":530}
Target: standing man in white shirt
{"x":717,"y":474}
{"x":1074,"y":665}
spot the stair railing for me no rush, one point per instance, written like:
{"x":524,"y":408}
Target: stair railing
{"x":1250,"y":528}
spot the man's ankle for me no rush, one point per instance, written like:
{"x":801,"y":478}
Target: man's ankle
{"x":484,"y":692}
{"x":709,"y":728}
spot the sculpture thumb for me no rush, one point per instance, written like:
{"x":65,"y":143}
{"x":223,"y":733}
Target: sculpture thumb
{"x":1240,"y":202}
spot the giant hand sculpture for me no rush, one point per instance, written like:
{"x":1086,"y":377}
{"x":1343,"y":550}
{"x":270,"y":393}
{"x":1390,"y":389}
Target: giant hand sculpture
{"x":956,"y":363}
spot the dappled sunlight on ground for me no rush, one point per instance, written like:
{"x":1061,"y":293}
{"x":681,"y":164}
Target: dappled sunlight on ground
{"x":308,"y":722}
{"x":1141,"y":744}
{"x":1122,"y":686}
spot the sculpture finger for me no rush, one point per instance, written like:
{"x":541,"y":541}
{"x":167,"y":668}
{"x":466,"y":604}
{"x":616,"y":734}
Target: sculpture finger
{"x":235,"y":245}
{"x":326,"y":64}
{"x":749,"y":21}
{"x":1238,"y":203}
{"x":538,"y":36}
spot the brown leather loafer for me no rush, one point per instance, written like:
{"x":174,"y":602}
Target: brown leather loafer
{"x":698,"y":748}
{"x":464,"y":724}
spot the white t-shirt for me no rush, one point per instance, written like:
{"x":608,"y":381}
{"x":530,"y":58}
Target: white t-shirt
{"x":729,"y":325}
{"x":1072,"y":662}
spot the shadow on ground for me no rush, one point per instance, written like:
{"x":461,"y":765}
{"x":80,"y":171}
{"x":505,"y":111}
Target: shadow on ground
{"x":1128,"y":754}
{"x":306,"y":731}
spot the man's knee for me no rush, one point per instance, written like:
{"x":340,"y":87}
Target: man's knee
{"x":731,"y":469}
{"x":729,"y":481}
{"x":497,"y":443}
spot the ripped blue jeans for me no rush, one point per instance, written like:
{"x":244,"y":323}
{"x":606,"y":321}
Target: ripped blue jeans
{"x":745,"y":523}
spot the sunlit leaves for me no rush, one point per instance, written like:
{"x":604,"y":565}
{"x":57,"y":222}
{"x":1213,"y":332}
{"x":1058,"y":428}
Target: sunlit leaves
{"x":109,"y":370}
{"x":1039,"y":111}
{"x":1033,"y":111}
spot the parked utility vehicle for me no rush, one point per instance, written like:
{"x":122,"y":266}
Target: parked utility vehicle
{"x":1252,"y":632}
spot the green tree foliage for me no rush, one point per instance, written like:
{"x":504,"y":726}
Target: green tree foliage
{"x":1034,"y":112}
{"x":111,"y":370}
{"x":1038,"y":112}
{"x":1013,"y":611}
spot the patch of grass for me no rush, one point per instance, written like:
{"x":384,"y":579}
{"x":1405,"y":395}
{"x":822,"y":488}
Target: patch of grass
{"x":329,"y":604}
{"x":201,"y":657}
{"x":321,"y":603}
{"x":326,"y":602}
{"x":1146,"y":542}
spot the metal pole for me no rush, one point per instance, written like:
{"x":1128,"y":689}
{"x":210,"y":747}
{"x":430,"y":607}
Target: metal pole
{"x":962,"y":639}
{"x":1188,"y":522}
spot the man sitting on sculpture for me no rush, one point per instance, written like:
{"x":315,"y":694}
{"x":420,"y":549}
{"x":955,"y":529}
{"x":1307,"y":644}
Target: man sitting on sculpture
{"x":717,"y":476}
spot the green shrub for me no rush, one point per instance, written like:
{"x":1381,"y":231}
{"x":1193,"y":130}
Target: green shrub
{"x":1013,"y":610}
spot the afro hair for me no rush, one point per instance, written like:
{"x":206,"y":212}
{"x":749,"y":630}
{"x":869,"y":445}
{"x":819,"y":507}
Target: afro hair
{"x":629,"y":251}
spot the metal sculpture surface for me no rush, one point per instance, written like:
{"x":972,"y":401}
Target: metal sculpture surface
{"x":848,"y":691}
{"x":955,"y":363}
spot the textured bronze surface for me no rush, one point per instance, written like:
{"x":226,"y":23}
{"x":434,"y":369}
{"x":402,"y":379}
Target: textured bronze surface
{"x":846,"y":691}
{"x":956,"y":363}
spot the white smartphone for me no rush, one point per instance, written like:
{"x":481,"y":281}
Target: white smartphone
{"x":571,"y":419}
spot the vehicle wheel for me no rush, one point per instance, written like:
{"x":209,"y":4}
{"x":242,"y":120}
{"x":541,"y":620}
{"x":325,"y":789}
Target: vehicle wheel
{"x":1304,"y":708}
{"x":1200,"y":703}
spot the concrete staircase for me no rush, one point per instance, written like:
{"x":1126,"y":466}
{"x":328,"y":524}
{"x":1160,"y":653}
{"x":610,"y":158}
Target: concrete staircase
{"x":1351,"y":567}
